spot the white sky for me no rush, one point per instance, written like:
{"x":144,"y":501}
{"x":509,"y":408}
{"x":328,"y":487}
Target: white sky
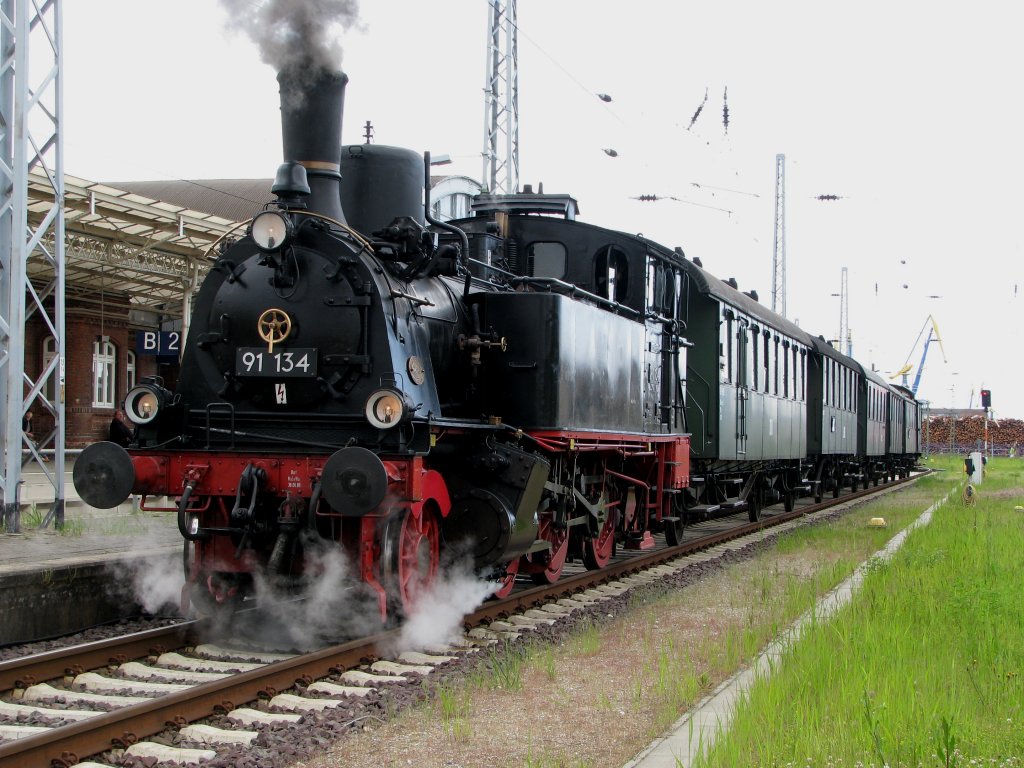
{"x":911,"y":111}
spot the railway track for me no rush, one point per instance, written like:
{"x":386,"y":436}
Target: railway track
{"x":112,"y":695}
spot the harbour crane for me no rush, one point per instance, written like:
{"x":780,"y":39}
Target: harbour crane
{"x":933,"y":333}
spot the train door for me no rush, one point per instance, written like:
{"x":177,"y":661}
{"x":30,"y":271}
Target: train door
{"x":662,"y":379}
{"x":672,"y":353}
{"x":653,"y":372}
{"x":743,"y":352}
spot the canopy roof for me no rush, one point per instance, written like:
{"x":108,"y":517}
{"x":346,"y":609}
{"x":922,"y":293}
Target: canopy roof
{"x":122,"y":242}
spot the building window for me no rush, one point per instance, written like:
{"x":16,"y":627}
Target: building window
{"x":129,"y":371}
{"x":104,"y":374}
{"x":49,"y":353}
{"x":453,"y":206}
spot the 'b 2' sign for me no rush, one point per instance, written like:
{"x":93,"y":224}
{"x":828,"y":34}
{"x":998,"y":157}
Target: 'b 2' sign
{"x":161,"y":343}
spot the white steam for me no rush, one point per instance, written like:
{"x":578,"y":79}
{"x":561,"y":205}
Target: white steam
{"x":295,"y":33}
{"x":158,"y":584}
{"x":332,"y":606}
{"x":437,"y":617}
{"x":155,"y":580}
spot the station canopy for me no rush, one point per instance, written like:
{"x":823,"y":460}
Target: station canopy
{"x":151,"y":241}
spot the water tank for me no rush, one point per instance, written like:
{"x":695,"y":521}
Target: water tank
{"x":379,"y":183}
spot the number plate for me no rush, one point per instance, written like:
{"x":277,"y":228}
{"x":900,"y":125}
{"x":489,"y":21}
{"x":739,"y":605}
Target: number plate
{"x":292,"y":363}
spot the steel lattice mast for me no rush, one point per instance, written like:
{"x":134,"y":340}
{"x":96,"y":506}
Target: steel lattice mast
{"x":501,"y":100}
{"x":31,"y":240}
{"x":845,"y":338}
{"x":779,"y":250}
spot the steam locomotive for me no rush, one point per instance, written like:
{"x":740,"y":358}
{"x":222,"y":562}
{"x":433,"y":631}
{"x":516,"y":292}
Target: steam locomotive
{"x":511,"y":390}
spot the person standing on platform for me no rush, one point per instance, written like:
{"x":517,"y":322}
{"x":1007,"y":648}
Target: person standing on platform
{"x":120,"y":432}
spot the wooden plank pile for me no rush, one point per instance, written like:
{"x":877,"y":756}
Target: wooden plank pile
{"x":968,"y":433}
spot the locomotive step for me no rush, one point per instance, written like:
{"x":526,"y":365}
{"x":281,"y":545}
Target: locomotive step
{"x":703,"y":509}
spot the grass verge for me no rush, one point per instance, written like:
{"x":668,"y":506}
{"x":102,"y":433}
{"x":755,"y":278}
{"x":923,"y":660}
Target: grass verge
{"x":924,"y":667}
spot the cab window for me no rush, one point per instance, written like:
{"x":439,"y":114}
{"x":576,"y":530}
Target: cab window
{"x":611,"y":274}
{"x":547,"y":260}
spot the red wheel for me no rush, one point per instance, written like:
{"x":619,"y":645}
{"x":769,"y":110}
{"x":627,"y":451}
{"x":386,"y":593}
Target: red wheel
{"x":507,"y":581}
{"x":598,"y":550}
{"x":546,"y":567}
{"x":410,"y":555}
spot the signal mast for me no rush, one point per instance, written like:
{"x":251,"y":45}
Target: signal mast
{"x":501,"y":100}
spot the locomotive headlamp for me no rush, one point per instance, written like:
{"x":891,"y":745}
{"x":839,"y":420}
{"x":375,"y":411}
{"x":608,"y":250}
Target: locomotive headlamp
{"x":386,"y":408}
{"x":144,"y":402}
{"x":271,"y":230}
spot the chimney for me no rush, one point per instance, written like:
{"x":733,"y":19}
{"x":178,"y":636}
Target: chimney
{"x":312,"y":103}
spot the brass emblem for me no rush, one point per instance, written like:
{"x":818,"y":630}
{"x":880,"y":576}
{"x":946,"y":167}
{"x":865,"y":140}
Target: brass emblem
{"x":273,"y":327}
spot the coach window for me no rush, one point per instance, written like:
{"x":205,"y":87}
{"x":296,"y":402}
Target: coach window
{"x":546,"y":260}
{"x":785,"y":368}
{"x":775,"y":362}
{"x":742,"y":355}
{"x":754,"y":333}
{"x":824,"y":386}
{"x":611,"y":274}
{"x":725,"y":348}
{"x":795,"y":373}
{"x":767,"y":361}
{"x":803,"y":374}
{"x":794,"y":387}
{"x":831,"y":383}
{"x":104,"y":360}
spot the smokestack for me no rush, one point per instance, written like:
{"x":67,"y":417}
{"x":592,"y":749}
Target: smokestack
{"x":312,"y":103}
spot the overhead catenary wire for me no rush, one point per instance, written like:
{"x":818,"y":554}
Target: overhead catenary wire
{"x":655,"y":198}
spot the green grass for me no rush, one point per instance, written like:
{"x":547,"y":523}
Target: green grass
{"x":768,"y":594}
{"x":453,"y":705}
{"x":925,"y":667}
{"x":503,"y":668}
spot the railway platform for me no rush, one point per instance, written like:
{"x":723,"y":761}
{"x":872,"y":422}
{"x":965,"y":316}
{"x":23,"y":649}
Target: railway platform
{"x":104,"y":564}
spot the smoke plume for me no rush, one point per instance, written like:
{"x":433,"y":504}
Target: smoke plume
{"x":295,"y":34}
